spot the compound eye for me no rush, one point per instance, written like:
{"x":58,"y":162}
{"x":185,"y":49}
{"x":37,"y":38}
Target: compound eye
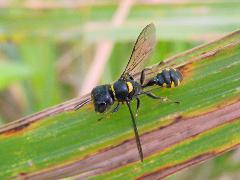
{"x":101,"y":107}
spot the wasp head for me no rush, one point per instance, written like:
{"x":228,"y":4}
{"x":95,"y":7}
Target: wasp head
{"x":102,"y":98}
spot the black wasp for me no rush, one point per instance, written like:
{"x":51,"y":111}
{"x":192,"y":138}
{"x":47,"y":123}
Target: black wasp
{"x":126,"y":88}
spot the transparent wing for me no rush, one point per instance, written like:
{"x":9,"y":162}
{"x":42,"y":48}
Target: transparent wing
{"x":82,"y":103}
{"x":141,"y":51}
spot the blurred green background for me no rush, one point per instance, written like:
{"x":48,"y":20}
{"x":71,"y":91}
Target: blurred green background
{"x":49,"y":50}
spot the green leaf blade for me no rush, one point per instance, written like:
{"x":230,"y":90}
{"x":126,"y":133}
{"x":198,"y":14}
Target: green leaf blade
{"x":205,"y":124}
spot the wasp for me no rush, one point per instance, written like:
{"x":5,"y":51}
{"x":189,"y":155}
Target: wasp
{"x":126,"y":88}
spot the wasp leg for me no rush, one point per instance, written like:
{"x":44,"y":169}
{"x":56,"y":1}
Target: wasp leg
{"x":127,"y":75}
{"x":162,"y":99}
{"x":130,"y":77}
{"x":116,"y":108}
{"x":139,"y":146}
{"x":142,"y":77}
{"x":110,"y":112}
{"x":105,"y":115}
{"x":138,"y":106}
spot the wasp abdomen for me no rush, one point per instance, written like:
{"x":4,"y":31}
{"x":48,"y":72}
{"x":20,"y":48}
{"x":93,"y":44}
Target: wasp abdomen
{"x":169,"y":77}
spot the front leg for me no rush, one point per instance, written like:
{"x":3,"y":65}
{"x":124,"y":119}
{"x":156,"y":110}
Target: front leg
{"x":110,"y":112}
{"x":116,"y":108}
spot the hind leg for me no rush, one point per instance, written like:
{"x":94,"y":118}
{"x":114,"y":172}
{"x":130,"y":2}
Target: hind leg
{"x":162,"y":99}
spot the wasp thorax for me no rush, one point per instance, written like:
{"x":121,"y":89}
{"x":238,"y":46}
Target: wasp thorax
{"x":102,"y":98}
{"x":120,"y":90}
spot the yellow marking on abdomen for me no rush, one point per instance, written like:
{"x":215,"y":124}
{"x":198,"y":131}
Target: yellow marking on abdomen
{"x":178,"y":82}
{"x":130,"y":87}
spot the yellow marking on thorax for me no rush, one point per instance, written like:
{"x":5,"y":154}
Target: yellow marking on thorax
{"x":112,"y":88}
{"x":130,"y":87}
